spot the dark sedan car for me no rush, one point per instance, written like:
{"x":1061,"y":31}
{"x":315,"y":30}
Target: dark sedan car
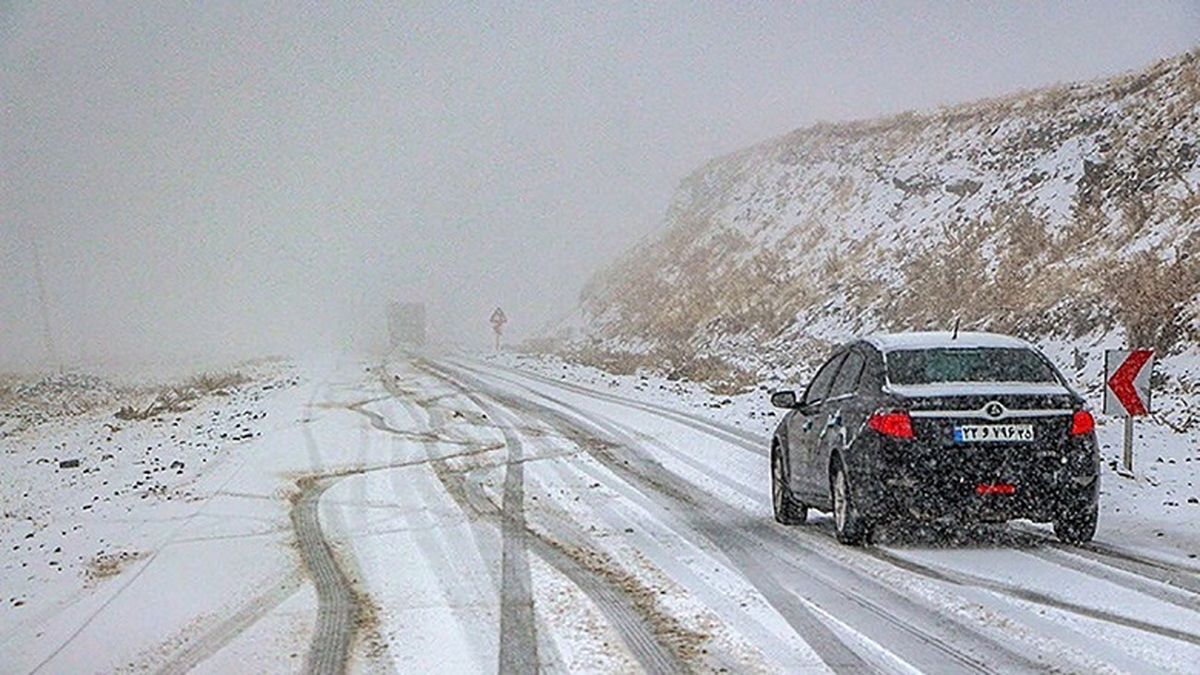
{"x":967,"y":427}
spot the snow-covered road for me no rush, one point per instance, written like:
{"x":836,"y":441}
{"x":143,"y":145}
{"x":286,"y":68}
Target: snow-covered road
{"x":454,"y":514}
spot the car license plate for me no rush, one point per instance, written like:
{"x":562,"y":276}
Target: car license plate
{"x":993,"y":433}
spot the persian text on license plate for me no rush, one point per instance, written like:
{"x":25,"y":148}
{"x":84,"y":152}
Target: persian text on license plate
{"x":993,"y":433}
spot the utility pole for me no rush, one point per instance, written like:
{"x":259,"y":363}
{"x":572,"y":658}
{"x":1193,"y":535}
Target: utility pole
{"x":44,"y":304}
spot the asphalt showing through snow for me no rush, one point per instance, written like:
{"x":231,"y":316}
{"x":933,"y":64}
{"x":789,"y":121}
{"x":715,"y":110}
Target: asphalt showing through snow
{"x":751,"y":553}
{"x":518,"y":628}
{"x":613,"y":602}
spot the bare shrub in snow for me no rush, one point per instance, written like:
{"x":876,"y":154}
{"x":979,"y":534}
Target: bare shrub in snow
{"x":33,"y":401}
{"x":834,"y":230}
{"x":183,"y":397}
{"x":105,"y":565}
{"x":1149,"y":295}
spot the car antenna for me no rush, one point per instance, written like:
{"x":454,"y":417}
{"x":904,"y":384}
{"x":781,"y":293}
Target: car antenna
{"x":957,"y":320}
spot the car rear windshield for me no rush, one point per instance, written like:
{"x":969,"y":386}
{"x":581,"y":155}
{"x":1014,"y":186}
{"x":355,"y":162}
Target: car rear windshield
{"x":993,"y":364}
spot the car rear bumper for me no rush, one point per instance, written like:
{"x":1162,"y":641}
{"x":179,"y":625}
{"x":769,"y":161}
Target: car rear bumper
{"x":936,"y":484}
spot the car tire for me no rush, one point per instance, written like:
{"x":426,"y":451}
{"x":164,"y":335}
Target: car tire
{"x":1077,"y":527}
{"x":851,"y":526}
{"x":788,"y":509}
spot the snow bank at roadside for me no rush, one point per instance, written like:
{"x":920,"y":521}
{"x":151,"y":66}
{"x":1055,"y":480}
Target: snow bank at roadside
{"x":84,"y":492}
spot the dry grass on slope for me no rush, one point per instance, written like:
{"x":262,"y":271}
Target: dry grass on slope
{"x":183,"y":397}
{"x":1054,"y":213}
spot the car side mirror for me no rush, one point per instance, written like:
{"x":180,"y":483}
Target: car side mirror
{"x":784,"y":399}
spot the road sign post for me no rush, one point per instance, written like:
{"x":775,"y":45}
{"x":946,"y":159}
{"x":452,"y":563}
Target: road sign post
{"x":1127,"y":390}
{"x":1127,"y":456}
{"x":498,"y":320}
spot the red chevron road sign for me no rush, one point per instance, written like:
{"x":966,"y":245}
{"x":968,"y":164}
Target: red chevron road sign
{"x":1127,"y":382}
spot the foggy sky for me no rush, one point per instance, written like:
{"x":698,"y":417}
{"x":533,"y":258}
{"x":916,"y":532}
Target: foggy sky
{"x":221,"y":179}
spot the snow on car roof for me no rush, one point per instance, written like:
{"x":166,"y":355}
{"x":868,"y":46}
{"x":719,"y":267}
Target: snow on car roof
{"x":889,"y":342}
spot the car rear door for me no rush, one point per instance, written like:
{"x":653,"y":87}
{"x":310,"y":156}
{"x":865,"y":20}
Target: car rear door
{"x":805,"y":430}
{"x":842,"y":411}
{"x":843,"y":418}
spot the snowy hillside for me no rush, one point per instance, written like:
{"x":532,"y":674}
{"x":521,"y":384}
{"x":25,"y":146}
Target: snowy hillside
{"x":1070,"y":214}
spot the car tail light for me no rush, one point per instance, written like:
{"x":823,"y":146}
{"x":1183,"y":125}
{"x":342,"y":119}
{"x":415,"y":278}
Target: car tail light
{"x":1082,"y":423}
{"x":896,"y":424}
{"x":995,"y":489}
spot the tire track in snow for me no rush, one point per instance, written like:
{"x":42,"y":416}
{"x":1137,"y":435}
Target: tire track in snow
{"x":215,"y":639}
{"x":1036,"y":597}
{"x":518,"y":628}
{"x":614,"y":603}
{"x":338,"y":605}
{"x":254,"y":610}
{"x":963,"y":646}
{"x":615,"y":607}
{"x":824,"y":642}
{"x":754,"y":553}
{"x":664,"y":544}
{"x":380,"y":423}
{"x":746,"y":440}
{"x":462,"y":578}
{"x":1146,"y":585}
{"x":1181,"y":577}
{"x":329,"y":651}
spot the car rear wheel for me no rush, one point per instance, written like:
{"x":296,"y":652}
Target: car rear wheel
{"x":1077,"y":527}
{"x":852,"y":528}
{"x":788,"y":509}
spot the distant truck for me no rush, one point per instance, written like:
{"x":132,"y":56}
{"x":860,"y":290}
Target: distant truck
{"x":406,"y":324}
